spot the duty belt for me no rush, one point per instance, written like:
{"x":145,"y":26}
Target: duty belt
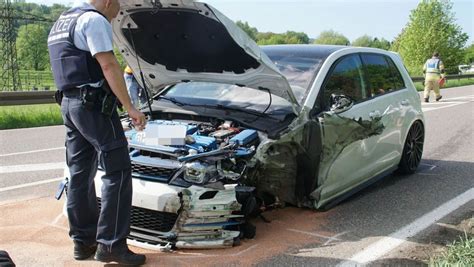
{"x":89,"y":92}
{"x":95,"y":98}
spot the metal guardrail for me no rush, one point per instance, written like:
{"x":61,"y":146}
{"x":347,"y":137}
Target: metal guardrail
{"x":47,"y":97}
{"x":448,"y":77}
{"x":26,"y":98}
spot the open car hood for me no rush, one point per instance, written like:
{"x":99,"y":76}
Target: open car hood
{"x":182,"y":40}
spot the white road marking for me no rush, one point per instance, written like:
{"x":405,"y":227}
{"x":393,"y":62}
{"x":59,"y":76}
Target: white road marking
{"x":56,"y":220}
{"x":10,"y":188}
{"x":432,"y":167}
{"x":32,"y":151}
{"x":308,"y":233}
{"x":438,"y":108}
{"x":380,"y":248}
{"x":459,"y":97}
{"x":329,"y":238}
{"x":203,"y":255}
{"x":32,"y":167}
{"x":467,"y":97}
{"x":33,"y":128}
{"x":334,"y":238}
{"x":446,"y":103}
{"x":436,"y":103}
{"x":57,"y":226}
{"x":245,"y":250}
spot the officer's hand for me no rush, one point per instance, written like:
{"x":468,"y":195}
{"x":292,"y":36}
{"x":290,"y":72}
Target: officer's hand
{"x":138,"y":118}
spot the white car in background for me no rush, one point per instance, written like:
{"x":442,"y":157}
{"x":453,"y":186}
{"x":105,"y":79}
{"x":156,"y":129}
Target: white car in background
{"x":236,"y":127}
{"x":466,"y":69}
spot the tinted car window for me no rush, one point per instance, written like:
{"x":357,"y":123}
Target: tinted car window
{"x":381,"y":76}
{"x":346,"y":78}
{"x":396,"y":78}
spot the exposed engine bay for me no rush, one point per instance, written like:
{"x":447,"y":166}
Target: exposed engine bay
{"x":196,"y":170}
{"x":186,"y":153}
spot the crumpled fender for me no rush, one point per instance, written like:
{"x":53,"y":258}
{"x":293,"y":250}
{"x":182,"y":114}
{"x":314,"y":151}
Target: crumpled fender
{"x":319,"y":142}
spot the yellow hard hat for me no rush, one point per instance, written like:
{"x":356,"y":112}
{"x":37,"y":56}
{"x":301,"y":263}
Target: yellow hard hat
{"x":128,"y":70}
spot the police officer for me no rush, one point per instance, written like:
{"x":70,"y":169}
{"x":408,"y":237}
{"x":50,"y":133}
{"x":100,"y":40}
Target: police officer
{"x":84,"y":66}
{"x":434,"y":72}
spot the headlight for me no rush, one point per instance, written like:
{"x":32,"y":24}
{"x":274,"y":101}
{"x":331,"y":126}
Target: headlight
{"x":199,"y":172}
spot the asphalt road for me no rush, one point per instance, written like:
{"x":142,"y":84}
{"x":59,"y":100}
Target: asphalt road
{"x":31,"y":160}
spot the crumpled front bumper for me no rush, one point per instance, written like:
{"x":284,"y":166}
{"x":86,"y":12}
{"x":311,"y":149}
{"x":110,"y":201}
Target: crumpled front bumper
{"x":194,"y":217}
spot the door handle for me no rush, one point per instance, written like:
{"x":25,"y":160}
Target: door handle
{"x":374,"y":114}
{"x":405,"y":102}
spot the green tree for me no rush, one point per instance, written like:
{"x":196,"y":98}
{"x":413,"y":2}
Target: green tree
{"x":271,"y":39}
{"x":251,"y":31}
{"x":120,"y":58}
{"x":363,"y":41}
{"x":296,"y":37}
{"x":32,"y":50}
{"x":431,"y":27}
{"x":469,"y":54}
{"x":290,"y":37}
{"x":331,"y":38}
{"x":368,"y":41}
{"x":380,"y":43}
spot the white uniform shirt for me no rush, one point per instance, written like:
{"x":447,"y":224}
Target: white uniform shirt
{"x":93,"y":33}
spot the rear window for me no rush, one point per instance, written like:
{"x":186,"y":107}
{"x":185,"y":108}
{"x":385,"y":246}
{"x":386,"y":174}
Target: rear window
{"x":397,"y":79}
{"x":382,"y":74}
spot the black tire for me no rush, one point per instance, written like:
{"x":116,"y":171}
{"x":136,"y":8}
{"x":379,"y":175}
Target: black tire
{"x":413,"y":149}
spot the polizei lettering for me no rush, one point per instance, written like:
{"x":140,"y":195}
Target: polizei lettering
{"x":62,"y":27}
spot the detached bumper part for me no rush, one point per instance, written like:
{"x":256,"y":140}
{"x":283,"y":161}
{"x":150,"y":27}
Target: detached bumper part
{"x":206,"y":215}
{"x":165,"y":216}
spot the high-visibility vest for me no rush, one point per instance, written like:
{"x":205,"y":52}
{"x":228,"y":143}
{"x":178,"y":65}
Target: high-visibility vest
{"x":432,"y":65}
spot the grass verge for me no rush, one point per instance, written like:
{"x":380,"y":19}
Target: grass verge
{"x":13,"y":117}
{"x":450,"y":83}
{"x":459,"y":253}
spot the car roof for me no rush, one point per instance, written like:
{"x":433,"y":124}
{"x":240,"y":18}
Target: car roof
{"x":311,"y":50}
{"x":317,"y":51}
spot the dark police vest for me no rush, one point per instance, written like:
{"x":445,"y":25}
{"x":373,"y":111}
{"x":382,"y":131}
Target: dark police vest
{"x":71,"y":66}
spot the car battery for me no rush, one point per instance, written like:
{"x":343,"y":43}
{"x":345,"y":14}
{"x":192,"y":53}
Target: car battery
{"x":206,"y":142}
{"x":244,"y":138}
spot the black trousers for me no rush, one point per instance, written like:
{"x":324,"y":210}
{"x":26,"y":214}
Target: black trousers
{"x":92,"y":137}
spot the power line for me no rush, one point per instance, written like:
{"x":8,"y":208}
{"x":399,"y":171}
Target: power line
{"x":9,"y":69}
{"x":10,"y":75}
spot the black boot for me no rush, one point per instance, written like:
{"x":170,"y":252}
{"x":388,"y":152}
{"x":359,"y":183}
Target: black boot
{"x":119,"y":254}
{"x":427,"y":99}
{"x":82,"y":252}
{"x":439,"y":98}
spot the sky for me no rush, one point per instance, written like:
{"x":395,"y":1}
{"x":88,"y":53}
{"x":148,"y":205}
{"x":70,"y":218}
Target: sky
{"x":352,"y":18}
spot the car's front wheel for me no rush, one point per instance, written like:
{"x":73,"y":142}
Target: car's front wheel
{"x":413,"y":149}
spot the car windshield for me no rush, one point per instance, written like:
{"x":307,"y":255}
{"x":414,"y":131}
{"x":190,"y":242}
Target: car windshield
{"x":226,"y":95}
{"x":299,"y":70}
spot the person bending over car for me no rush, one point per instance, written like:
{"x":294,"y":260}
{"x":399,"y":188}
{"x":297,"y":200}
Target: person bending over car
{"x":90,"y":79}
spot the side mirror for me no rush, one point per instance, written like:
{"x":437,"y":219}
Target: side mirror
{"x":340,"y":103}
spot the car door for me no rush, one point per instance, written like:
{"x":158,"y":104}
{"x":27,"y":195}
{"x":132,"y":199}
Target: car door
{"x":350,"y":139}
{"x":390,"y":102}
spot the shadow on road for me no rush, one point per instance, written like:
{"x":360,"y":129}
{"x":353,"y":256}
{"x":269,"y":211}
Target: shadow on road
{"x":385,"y":207}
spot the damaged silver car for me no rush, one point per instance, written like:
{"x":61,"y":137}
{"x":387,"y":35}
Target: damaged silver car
{"x":235,"y":127}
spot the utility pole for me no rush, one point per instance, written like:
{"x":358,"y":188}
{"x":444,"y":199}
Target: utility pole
{"x":9,"y":73}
